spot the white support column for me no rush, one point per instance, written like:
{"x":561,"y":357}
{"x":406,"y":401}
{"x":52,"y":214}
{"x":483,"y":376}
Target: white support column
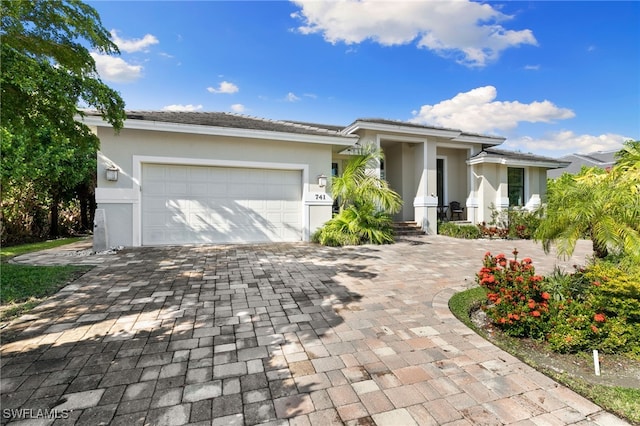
{"x":426,"y":201}
{"x":473,"y":181}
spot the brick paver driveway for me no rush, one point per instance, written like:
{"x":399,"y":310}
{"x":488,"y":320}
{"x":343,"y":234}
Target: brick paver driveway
{"x":281,"y":334}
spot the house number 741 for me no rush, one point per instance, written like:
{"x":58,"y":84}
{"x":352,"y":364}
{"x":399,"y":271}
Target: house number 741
{"x":321,"y":196}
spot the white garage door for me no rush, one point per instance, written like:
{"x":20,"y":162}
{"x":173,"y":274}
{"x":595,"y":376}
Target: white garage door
{"x":197,"y":204}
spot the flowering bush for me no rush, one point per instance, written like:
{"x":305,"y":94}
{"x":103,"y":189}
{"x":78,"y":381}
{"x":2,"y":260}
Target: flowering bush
{"x":606,"y":313}
{"x":516,"y":301}
{"x":593,"y":308}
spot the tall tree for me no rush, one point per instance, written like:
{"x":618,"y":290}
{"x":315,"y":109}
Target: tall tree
{"x":47,"y":73}
{"x":46,"y":69}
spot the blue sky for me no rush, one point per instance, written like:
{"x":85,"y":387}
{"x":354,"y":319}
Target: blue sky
{"x":552,"y":77}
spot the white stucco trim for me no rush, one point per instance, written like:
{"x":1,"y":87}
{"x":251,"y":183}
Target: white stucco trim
{"x":429,"y":201}
{"x":117,"y":195}
{"x":139,"y":160}
{"x":512,"y":162}
{"x":485,"y":140}
{"x":502,"y":202}
{"x":533,"y":203}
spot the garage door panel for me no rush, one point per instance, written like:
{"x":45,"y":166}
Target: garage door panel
{"x":154,"y":188}
{"x":196,"y":204}
{"x":176,"y":173}
{"x":219,"y":190}
{"x":198,"y":190}
{"x":176,"y":188}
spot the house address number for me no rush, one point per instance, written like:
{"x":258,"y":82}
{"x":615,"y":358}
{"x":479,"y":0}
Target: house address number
{"x":318,"y":198}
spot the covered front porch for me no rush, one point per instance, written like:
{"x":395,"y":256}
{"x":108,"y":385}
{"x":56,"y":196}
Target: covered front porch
{"x":427,"y":166}
{"x":428,"y":188}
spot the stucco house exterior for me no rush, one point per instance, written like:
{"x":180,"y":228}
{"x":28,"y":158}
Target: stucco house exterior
{"x":207,"y":177}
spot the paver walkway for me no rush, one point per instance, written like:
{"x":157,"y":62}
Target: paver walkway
{"x":278,"y":334}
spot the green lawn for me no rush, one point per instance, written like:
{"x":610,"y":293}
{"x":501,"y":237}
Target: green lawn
{"x":22,"y":287}
{"x":624,"y":402}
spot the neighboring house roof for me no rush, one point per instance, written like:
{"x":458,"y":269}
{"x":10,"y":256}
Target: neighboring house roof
{"x":514,"y":158}
{"x":602,"y":159}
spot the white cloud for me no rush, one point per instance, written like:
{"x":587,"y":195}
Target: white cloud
{"x":116,"y":69}
{"x":238,"y":108}
{"x":567,"y":142}
{"x":182,"y":108}
{"x":477,"y":111}
{"x":469,"y":31}
{"x":134,"y":44}
{"x":291,"y":97}
{"x":532,"y":67}
{"x":224,"y":87}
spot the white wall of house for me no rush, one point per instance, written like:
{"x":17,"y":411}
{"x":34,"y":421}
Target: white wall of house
{"x":491,"y":188}
{"x":132,"y":148}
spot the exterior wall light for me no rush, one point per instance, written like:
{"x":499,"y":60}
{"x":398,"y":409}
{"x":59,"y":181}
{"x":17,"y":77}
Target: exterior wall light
{"x":112,"y":173}
{"x":322,"y":181}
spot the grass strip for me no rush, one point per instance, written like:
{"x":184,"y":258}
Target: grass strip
{"x":7,"y":253}
{"x":23,"y":287}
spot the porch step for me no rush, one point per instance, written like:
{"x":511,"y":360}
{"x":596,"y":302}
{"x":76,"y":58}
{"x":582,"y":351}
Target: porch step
{"x":407,"y":228}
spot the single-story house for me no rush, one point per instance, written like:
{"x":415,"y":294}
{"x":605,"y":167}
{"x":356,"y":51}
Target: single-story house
{"x":211,"y":177}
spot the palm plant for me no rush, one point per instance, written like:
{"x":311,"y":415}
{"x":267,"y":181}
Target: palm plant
{"x":366,"y":203}
{"x":359,"y":184}
{"x":603,"y":205}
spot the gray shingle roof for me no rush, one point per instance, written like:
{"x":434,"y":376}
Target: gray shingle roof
{"x":400,"y":123}
{"x":229,"y":120}
{"x":519,"y":156}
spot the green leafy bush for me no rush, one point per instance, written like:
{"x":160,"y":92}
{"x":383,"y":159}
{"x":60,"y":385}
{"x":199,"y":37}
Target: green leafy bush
{"x":355,"y":225}
{"x":522,"y":223}
{"x":455,"y":230}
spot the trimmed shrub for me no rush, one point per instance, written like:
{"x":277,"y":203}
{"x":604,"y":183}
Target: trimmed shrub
{"x":455,"y":230}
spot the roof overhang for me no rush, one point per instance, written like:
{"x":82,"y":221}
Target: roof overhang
{"x":399,"y":128}
{"x":518,"y":163}
{"x":379,"y":127}
{"x":133,"y":124}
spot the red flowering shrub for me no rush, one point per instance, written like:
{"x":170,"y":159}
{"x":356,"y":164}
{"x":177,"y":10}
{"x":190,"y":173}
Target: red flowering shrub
{"x":516,"y":301}
{"x":594,"y":308}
